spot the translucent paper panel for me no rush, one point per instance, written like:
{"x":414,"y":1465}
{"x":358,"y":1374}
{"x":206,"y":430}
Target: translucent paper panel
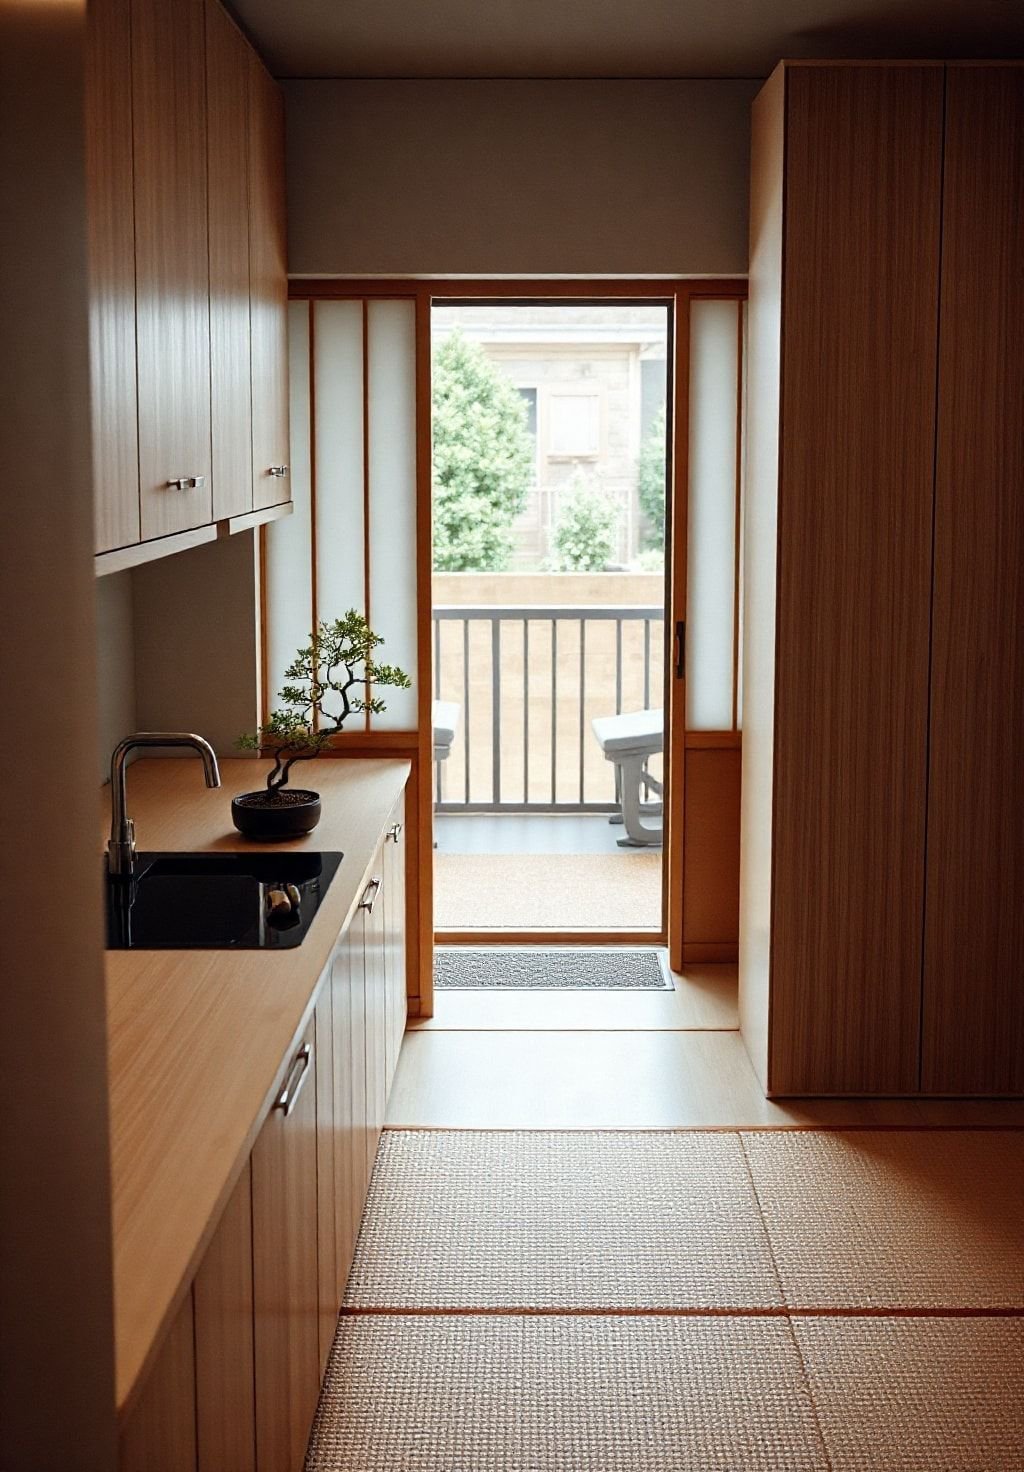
{"x":338,"y":366}
{"x":391,"y":404}
{"x":711,"y":541}
{"x":288,"y":584}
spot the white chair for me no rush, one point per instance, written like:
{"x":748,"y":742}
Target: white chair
{"x":444,"y":715}
{"x":629,"y":741}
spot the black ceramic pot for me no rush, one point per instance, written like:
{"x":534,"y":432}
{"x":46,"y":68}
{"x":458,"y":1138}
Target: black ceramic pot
{"x":266,"y":818}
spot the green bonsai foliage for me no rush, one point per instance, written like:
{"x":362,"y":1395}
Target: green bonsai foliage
{"x":483,"y":459}
{"x":319,"y":696}
{"x":652,"y":483}
{"x":584,"y":536}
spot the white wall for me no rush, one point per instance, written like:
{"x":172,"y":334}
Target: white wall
{"x":518,"y":177}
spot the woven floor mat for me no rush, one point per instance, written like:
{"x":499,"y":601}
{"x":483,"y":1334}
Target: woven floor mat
{"x":894,"y":1219}
{"x":564,"y":1395}
{"x":534,"y":1219}
{"x":530,"y":968}
{"x":917,"y":1395}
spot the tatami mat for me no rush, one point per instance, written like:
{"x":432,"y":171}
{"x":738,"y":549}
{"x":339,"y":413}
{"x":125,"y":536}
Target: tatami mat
{"x":513,"y":1394}
{"x":917,"y":1395}
{"x":894,"y":1219}
{"x":536,"y":1219}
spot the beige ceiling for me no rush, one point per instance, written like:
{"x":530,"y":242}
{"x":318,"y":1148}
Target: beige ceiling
{"x":613,"y":38}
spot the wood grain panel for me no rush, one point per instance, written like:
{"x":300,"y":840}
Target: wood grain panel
{"x":759,"y":563}
{"x":711,"y":877}
{"x":974,"y":939}
{"x":396,"y":1004}
{"x":376,"y":983}
{"x":860,"y":308}
{"x":227,"y":137}
{"x":268,"y":270}
{"x":284,"y":1220}
{"x":172,"y":264}
{"x":349,"y":1082}
{"x":326,"y":1182}
{"x":111,"y":220}
{"x":223,"y":1303}
{"x":159,"y":1433}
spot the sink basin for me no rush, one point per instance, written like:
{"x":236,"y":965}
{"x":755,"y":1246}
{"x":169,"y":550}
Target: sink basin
{"x":215,"y":901}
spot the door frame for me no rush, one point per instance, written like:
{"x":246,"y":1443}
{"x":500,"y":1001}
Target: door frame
{"x":677,"y":294}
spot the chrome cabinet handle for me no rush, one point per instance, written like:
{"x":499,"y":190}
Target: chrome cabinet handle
{"x":187,"y":483}
{"x":370,"y":894}
{"x":295,"y":1080}
{"x":394,"y":831}
{"x":279,"y":470}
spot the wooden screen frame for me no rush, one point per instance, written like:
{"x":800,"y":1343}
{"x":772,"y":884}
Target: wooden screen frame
{"x":417,"y":746}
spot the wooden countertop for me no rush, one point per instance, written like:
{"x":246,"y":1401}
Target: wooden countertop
{"x":199,"y":1041}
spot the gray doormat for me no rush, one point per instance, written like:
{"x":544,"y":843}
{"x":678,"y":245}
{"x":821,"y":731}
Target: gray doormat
{"x":557,"y":969}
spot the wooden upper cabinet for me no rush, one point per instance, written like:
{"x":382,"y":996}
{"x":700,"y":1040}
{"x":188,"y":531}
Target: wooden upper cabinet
{"x":172,"y":264}
{"x":268,"y":274}
{"x":108,"y":150}
{"x":227,"y":94}
{"x":973,"y":1018}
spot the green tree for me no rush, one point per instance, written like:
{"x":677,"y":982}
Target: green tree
{"x":585,"y":530}
{"x":652,"y":483}
{"x":483,"y":459}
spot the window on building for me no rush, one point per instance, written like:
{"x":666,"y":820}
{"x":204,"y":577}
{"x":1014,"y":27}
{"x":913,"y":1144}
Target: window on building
{"x":575,"y":425}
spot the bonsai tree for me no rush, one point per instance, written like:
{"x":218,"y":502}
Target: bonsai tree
{"x":483,"y":459}
{"x":584,"y":538}
{"x":321,"y":694}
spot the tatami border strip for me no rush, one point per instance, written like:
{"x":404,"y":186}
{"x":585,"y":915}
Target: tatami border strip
{"x":702,"y":1129}
{"x":765,"y":1311}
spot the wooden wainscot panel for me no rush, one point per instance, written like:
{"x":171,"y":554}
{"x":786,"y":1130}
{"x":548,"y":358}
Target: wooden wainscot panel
{"x":711,"y":866}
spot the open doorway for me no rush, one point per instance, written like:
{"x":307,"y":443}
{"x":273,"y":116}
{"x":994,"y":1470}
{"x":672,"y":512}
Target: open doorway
{"x":551,"y":433}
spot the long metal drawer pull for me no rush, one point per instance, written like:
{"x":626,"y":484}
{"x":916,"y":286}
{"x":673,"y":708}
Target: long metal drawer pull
{"x":370,"y":899}
{"x":187,"y":483}
{"x":278,"y":470}
{"x":394,"y":831}
{"x":295,"y":1080}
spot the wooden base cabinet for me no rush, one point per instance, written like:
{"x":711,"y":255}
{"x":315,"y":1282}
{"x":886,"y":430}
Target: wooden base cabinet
{"x":235,"y":1384}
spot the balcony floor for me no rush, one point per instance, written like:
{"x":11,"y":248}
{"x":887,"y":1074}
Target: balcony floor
{"x":494,"y":872}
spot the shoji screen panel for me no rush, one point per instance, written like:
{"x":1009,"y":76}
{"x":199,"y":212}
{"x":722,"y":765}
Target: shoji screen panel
{"x":287,"y":565}
{"x":716,"y":379}
{"x":351,"y":542}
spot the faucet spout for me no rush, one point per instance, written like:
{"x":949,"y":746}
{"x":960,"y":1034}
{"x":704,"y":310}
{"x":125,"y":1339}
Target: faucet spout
{"x":121,"y":848}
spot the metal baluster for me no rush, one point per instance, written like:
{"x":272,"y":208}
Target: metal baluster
{"x":437,"y":696}
{"x":465,"y":702}
{"x":647,"y":664}
{"x":618,"y":666}
{"x":554,"y":710}
{"x":583,"y":686}
{"x":495,"y":708}
{"x":526,"y":710}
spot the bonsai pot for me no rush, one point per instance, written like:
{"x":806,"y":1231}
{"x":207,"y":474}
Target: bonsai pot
{"x":269,"y":816}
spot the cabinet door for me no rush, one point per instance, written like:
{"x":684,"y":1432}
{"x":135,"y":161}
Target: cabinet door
{"x":326,"y":1184}
{"x":222,"y":1296}
{"x":159,"y":1432}
{"x":973,"y":1020}
{"x":284,"y":1253}
{"x":268,"y":290}
{"x":396,"y":1005}
{"x":376,"y":981}
{"x":171,"y":264}
{"x":348,"y":987}
{"x":227,"y":122}
{"x":108,"y":153}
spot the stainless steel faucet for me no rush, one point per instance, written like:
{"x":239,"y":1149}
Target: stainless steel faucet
{"x":121,"y":848}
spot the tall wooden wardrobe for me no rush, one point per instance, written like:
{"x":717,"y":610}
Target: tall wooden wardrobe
{"x":882,"y":871}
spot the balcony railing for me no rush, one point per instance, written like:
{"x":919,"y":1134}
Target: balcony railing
{"x":528,"y":681}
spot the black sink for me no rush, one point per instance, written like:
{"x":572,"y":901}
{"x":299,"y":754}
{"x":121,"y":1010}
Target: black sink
{"x":215,"y":901}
